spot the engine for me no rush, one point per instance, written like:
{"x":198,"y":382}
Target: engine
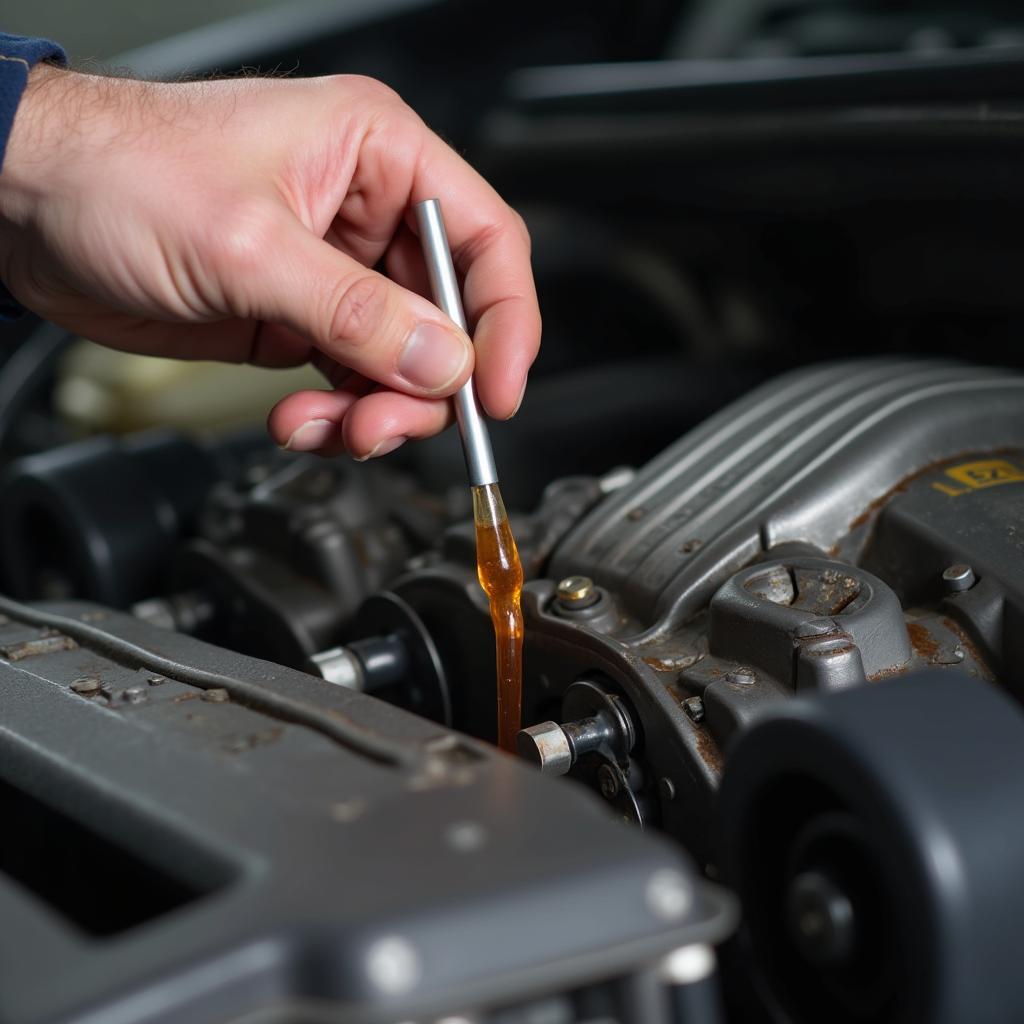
{"x":787,"y":643}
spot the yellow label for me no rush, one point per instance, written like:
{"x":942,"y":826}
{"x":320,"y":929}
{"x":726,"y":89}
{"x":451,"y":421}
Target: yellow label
{"x":973,"y":476}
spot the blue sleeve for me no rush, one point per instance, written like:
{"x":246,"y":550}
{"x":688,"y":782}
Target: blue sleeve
{"x":17,"y":56}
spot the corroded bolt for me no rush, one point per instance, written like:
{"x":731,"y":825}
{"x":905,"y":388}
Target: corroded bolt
{"x":133,"y":695}
{"x":577,"y":592}
{"x":86,"y":686}
{"x":218,"y":695}
{"x":958,"y":578}
{"x":694,"y":708}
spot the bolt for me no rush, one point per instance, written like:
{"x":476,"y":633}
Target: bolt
{"x":609,"y":781}
{"x":218,"y":695}
{"x":577,"y":592}
{"x":87,"y":686}
{"x":958,"y":578}
{"x":133,"y":695}
{"x":157,"y":680}
{"x":667,"y":789}
{"x":741,"y":677}
{"x":694,"y":708}
{"x":547,"y":746}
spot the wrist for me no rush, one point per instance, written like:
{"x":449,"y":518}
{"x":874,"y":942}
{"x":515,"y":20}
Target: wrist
{"x":22,"y":179}
{"x":63,"y":115}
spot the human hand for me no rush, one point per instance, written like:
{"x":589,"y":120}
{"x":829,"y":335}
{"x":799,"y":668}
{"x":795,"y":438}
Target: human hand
{"x":236,"y":220}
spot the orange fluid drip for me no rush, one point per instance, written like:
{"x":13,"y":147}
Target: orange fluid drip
{"x":501,"y":576}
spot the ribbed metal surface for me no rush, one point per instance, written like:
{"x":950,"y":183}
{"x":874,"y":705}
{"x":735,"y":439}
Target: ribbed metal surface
{"x":797,"y":460}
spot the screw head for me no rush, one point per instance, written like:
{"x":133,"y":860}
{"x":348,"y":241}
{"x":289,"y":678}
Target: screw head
{"x":608,"y":781}
{"x":133,"y":695}
{"x":576,"y":592}
{"x":86,"y":686}
{"x":958,"y":578}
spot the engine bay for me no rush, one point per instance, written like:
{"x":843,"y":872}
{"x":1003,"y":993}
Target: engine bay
{"x":766,"y":490}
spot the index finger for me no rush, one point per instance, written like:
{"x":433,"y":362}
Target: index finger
{"x":491,"y":250}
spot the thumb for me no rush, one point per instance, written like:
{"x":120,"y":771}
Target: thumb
{"x":358,"y":317}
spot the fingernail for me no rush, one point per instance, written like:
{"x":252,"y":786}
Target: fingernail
{"x":383,"y":448}
{"x":522,"y":395}
{"x":433,"y":357}
{"x":310,"y":436}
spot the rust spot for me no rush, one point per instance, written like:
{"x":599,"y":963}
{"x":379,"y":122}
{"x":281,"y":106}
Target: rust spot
{"x":887,"y":673}
{"x":709,"y":751}
{"x":182,"y":697}
{"x":922,"y":641}
{"x":671,"y":662}
{"x":899,"y":488}
{"x":636,"y":513}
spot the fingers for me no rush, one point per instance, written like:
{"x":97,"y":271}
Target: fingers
{"x":354,"y":315}
{"x":491,"y":249}
{"x":368,"y":426}
{"x":506,"y":332}
{"x":489,"y":241}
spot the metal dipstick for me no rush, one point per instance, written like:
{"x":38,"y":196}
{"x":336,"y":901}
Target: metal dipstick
{"x":476,"y":444}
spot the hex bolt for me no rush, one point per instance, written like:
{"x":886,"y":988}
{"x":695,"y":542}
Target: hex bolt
{"x":133,"y":695}
{"x":958,"y":578}
{"x":694,"y":708}
{"x":608,"y":781}
{"x":576,"y":593}
{"x":86,"y":686}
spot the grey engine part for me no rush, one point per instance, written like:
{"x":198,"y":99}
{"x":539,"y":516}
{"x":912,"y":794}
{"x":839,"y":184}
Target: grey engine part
{"x":191,"y":835}
{"x":726,"y":646}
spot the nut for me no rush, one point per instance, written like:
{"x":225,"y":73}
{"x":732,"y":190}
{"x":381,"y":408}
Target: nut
{"x":694,"y":708}
{"x":577,"y":592}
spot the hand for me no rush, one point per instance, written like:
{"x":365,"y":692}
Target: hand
{"x":236,"y":220}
